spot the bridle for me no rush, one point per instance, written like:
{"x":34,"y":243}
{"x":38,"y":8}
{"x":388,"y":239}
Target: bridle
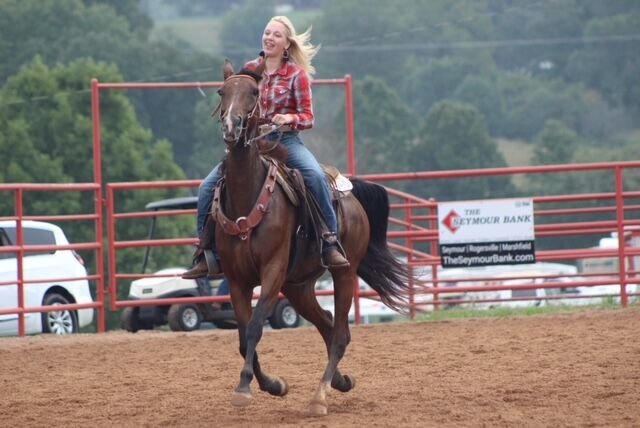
{"x":245,"y":121}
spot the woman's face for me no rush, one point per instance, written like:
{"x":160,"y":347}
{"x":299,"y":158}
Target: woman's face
{"x":274,"y":39}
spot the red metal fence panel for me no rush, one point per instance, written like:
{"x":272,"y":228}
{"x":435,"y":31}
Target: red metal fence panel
{"x":20,"y":192}
{"x":413,"y":226}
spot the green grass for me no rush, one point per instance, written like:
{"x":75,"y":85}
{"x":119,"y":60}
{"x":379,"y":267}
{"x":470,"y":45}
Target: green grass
{"x":449,"y":314}
{"x":516,"y":153}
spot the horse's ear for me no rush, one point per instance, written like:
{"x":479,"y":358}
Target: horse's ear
{"x":227,"y":69}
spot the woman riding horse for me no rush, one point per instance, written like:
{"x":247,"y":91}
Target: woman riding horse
{"x":258,"y":226}
{"x":285,"y":100}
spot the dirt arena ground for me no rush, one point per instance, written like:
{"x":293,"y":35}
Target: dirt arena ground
{"x":580,"y":369}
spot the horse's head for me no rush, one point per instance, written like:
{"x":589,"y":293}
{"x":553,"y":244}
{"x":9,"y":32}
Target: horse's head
{"x":239,"y":102}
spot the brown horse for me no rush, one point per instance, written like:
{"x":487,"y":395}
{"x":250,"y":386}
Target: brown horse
{"x":256,"y":234}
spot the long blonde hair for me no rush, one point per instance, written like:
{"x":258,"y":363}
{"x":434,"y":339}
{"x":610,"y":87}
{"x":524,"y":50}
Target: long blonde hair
{"x":301,"y":51}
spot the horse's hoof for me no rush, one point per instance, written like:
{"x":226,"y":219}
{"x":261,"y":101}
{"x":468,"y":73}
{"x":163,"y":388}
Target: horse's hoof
{"x":275,"y":386}
{"x":241,"y":399}
{"x":344,"y":383}
{"x":351,"y":380}
{"x":283,"y":387}
{"x":318,"y":409}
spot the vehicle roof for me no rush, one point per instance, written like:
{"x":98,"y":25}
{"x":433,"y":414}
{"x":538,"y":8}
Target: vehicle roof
{"x":182,"y":203}
{"x":31,"y":223}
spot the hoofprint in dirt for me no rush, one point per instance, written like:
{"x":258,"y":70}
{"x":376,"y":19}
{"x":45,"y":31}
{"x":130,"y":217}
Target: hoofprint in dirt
{"x":578,"y":369}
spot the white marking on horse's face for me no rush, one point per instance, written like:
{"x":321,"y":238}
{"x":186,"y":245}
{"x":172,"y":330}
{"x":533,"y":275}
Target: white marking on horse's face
{"x":235,"y":116}
{"x":228,"y":122}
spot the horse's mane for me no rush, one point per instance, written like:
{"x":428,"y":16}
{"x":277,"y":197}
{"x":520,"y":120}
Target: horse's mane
{"x":250,"y":73}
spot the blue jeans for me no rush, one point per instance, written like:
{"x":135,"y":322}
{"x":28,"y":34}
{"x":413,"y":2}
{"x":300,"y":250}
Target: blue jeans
{"x":205,"y":197}
{"x":299,"y":157}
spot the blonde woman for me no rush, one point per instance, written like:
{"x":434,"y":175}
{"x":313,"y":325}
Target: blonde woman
{"x":286,"y":100}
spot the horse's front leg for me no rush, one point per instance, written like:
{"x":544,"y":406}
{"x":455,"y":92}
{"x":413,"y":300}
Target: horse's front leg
{"x":241,"y":300}
{"x":250,"y":334}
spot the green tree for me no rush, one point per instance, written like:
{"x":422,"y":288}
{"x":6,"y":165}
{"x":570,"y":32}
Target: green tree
{"x":58,"y":31}
{"x":612,"y":71}
{"x":167,"y":9}
{"x":620,"y":148}
{"x":46,"y":136}
{"x":555,"y":144}
{"x":454,"y":136}
{"x":358,"y":35}
{"x":209,"y":147}
{"x":435,"y":81}
{"x":528,"y":103}
{"x":131,"y":10}
{"x":241,"y":32}
{"x":520,"y":20}
{"x":537,"y":35}
{"x":384,"y":127}
{"x":61,"y":31}
{"x":479,"y":91}
{"x":349,"y":22}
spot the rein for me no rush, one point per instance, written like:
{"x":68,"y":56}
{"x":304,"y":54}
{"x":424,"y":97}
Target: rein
{"x":270,"y":128}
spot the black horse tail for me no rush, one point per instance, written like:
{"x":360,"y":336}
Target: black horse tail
{"x":380,"y":269}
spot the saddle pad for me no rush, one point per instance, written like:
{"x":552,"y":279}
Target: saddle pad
{"x":338,"y":182}
{"x":287,"y":189}
{"x":342,"y":184}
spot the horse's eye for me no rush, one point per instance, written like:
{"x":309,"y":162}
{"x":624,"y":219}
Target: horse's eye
{"x":255,"y":92}
{"x":220,"y":92}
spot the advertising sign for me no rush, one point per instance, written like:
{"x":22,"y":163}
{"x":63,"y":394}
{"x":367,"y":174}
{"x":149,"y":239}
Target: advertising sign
{"x":486,"y":232}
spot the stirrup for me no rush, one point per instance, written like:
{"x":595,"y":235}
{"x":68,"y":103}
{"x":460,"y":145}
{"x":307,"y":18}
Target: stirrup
{"x":205,"y":264}
{"x":212,"y":263}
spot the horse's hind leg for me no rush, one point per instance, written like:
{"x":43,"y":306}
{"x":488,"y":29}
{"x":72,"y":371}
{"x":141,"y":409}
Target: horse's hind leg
{"x":304,"y":301}
{"x":335,"y":334}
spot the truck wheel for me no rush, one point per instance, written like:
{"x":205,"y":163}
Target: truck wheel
{"x":184,"y":317}
{"x":284,"y":316}
{"x":129,"y":319}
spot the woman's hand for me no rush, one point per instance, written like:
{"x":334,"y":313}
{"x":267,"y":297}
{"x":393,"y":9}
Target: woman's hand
{"x":283,"y":119}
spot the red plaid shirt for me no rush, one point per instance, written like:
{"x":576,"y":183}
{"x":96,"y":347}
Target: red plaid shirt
{"x":287,"y":91}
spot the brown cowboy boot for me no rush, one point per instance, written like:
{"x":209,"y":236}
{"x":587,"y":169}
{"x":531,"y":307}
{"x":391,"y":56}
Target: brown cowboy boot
{"x":332,"y":256}
{"x":204,"y":264}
